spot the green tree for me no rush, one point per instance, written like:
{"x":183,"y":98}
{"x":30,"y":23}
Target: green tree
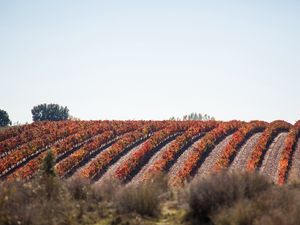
{"x":52,"y":112}
{"x":200,"y":117}
{"x":194,"y":116}
{"x":4,"y":118}
{"x":47,"y":168}
{"x":48,"y":177}
{"x":206,"y":117}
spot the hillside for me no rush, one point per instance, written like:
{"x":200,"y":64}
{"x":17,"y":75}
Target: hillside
{"x":134,"y":151}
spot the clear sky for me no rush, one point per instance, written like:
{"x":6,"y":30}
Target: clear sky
{"x":151,"y":59}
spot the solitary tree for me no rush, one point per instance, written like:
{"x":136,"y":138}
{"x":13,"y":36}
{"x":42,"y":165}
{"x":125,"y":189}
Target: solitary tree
{"x":47,"y":168}
{"x":4,"y":118}
{"x":52,"y":112}
{"x":48,"y":176}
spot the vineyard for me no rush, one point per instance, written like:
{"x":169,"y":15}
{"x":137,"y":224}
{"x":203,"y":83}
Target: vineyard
{"x":135,"y":151}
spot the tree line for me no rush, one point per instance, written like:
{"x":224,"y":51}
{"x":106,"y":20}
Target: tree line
{"x":55,"y":112}
{"x":194,"y":116}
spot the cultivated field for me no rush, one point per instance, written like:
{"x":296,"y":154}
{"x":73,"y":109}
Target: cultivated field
{"x":135,"y":151}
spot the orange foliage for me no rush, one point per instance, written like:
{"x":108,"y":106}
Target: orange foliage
{"x":289,"y":145}
{"x":268,"y":135}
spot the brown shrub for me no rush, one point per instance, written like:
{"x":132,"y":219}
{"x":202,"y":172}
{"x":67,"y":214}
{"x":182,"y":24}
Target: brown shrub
{"x":35,"y":202}
{"x":277,"y":206}
{"x":223,"y":189}
{"x":144,"y":198}
{"x":46,"y":200}
{"x":79,"y":188}
{"x":107,"y":188}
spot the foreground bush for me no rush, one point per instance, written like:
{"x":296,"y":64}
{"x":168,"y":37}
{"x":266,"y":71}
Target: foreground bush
{"x":143,"y":199}
{"x":208,"y":195}
{"x":274,"y":207}
{"x":47,"y":200}
{"x":242,"y":199}
{"x":221,"y":199}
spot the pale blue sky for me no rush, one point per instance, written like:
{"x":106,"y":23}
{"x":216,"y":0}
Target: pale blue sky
{"x":151,"y":59}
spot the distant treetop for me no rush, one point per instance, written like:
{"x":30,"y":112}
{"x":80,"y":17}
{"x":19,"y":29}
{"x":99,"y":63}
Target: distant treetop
{"x":4,"y":118}
{"x":194,"y":116}
{"x":51,"y":112}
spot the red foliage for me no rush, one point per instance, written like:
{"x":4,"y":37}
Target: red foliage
{"x":268,"y":135}
{"x":176,"y":146}
{"x":27,"y":171}
{"x":28,"y":144}
{"x":289,"y":145}
{"x":67,"y":144}
{"x":68,"y":163}
{"x":34,"y":147}
{"x":235,"y":142}
{"x":30,"y":133}
{"x":14,"y":131}
{"x":105,"y":157}
{"x":60,"y":148}
{"x":205,"y":144}
{"x":127,"y":167}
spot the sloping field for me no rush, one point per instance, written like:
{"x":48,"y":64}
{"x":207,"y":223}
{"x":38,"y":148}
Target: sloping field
{"x":134,"y":151}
